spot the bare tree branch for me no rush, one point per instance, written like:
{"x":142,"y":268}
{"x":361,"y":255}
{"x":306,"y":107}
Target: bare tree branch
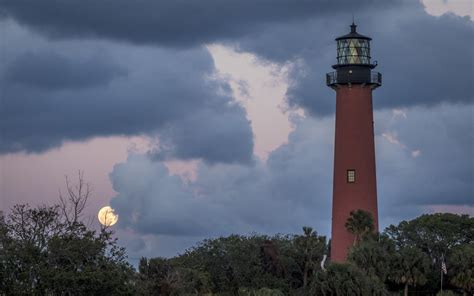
{"x":74,"y":202}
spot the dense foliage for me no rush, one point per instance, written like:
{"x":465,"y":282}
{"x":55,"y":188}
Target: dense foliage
{"x":49,"y":251}
{"x":404,"y":259}
{"x":41,"y":254}
{"x":237,"y":265}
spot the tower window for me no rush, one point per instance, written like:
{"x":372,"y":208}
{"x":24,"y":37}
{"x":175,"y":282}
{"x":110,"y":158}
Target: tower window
{"x":351,"y":176}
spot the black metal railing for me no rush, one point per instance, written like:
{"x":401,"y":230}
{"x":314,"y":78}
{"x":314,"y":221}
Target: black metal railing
{"x":373,"y":78}
{"x":331,"y":78}
{"x":376,"y":78}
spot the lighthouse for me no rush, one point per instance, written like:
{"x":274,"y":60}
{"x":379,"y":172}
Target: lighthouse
{"x":354,"y":183}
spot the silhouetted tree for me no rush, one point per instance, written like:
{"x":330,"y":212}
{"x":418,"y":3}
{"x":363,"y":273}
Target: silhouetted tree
{"x":312,"y":247}
{"x":409,"y":267}
{"x":360,"y":223}
{"x":436,"y":235}
{"x":73,"y":203}
{"x":345,"y":279}
{"x":374,"y":256}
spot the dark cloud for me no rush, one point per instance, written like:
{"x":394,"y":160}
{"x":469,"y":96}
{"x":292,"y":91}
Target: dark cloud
{"x":421,"y":162}
{"x":51,"y":70}
{"x":175,"y":23}
{"x":170,"y":94}
{"x":425,"y":60}
{"x":184,"y":141}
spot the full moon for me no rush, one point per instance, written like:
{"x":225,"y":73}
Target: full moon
{"x":107,"y":216}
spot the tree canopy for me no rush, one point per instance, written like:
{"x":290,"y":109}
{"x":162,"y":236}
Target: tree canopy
{"x":360,"y":223}
{"x":43,"y":255}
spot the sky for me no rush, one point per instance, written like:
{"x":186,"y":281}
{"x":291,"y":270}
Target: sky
{"x":200,"y":119}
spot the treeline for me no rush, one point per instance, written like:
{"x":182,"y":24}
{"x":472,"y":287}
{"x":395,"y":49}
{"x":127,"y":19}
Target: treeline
{"x":406,"y":259}
{"x":49,"y":250}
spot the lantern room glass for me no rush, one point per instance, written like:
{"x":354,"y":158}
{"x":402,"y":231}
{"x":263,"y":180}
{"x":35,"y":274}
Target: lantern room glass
{"x":353,"y":51}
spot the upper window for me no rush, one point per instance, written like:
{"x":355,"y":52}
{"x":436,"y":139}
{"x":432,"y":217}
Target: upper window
{"x":351,"y":176}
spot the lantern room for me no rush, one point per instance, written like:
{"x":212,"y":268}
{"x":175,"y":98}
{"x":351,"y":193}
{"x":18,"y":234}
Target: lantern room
{"x":353,"y":61}
{"x":353,"y":48}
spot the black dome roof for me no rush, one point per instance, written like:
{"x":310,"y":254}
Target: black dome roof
{"x":353,"y":34}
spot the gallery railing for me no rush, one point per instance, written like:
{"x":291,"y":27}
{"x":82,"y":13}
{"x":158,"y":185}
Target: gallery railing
{"x":372,"y":78}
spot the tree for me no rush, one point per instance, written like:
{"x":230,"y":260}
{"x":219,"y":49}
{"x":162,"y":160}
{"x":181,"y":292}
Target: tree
{"x":73,"y":204}
{"x":461,"y":267}
{"x":43,"y":252}
{"x":373,"y":256}
{"x":87,"y":263}
{"x":256,"y":262}
{"x":151,"y":274}
{"x":27,"y":232}
{"x":6,"y":267}
{"x":345,"y":279}
{"x":233,"y":262}
{"x":409,"y":267}
{"x":434,"y":234}
{"x":158,"y":276}
{"x":312,"y":248}
{"x":360,"y":223}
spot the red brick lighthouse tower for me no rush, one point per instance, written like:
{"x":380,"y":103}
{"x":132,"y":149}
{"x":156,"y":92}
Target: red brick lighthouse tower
{"x":354,"y":152}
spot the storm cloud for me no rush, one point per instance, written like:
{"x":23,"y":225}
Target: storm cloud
{"x":424,"y":59}
{"x":73,"y":91}
{"x":161,"y":81}
{"x":171,"y":23}
{"x":53,"y":71}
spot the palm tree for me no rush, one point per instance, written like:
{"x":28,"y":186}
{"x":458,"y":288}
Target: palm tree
{"x":360,"y":223}
{"x":409,"y":267}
